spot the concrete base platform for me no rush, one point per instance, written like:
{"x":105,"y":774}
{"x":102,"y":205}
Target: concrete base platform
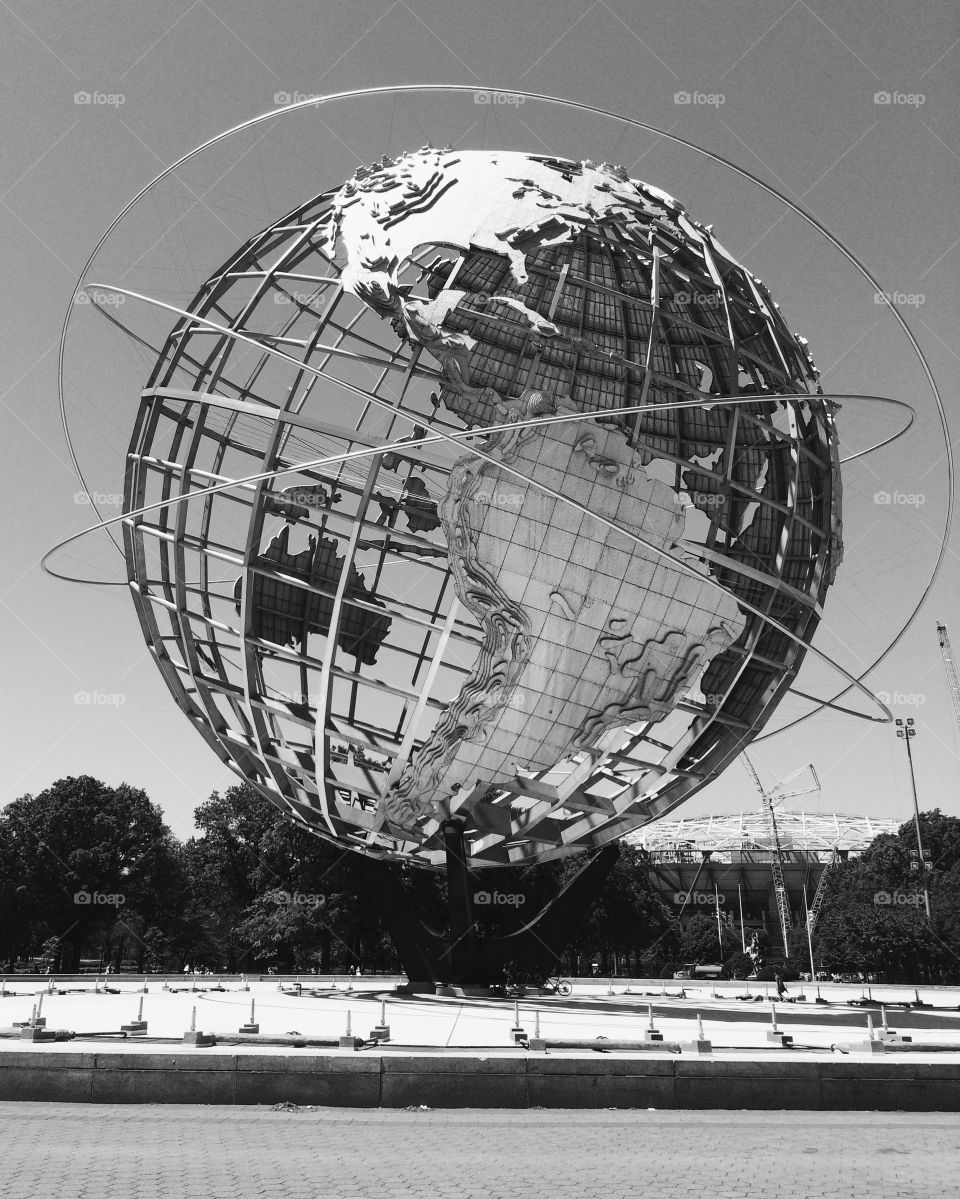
{"x":457,"y":1052}
{"x":373,"y":1079}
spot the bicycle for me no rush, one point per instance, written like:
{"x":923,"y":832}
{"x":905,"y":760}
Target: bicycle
{"x":554,"y":985}
{"x":516,"y":980}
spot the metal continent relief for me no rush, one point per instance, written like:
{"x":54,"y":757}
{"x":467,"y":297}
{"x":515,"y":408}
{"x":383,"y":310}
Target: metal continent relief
{"x":584,"y":629}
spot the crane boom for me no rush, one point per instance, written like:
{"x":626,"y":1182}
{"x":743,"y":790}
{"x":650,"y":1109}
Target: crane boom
{"x":814,"y":913}
{"x":776,"y":863}
{"x":950,"y":667}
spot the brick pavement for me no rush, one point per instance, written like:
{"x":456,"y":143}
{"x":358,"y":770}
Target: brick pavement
{"x":75,"y":1151}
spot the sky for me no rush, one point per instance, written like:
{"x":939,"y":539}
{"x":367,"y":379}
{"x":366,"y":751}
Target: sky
{"x":849,"y":110}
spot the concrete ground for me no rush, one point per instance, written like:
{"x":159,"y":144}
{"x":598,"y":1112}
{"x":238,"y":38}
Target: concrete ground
{"x":450,"y":1052}
{"x":735,"y":1017}
{"x":75,"y":1151}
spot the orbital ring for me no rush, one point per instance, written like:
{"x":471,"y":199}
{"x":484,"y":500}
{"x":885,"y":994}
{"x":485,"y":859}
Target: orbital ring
{"x":708,"y":400}
{"x":456,"y":437}
{"x":808,"y":218}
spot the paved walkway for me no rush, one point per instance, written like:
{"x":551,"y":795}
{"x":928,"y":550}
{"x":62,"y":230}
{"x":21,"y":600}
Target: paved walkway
{"x":73,"y":1151}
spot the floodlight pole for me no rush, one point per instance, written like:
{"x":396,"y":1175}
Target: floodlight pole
{"x":743,"y":939}
{"x":806,"y":905}
{"x":716,"y":904}
{"x":907,"y":731}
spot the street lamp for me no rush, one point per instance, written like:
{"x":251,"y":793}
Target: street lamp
{"x":907,"y":731}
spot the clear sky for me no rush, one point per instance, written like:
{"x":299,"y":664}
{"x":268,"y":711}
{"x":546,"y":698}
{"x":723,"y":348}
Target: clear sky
{"x":787,"y":89}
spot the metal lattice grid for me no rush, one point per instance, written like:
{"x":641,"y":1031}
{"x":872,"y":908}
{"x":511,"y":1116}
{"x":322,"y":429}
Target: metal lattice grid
{"x":307,"y":623}
{"x":746,"y":832}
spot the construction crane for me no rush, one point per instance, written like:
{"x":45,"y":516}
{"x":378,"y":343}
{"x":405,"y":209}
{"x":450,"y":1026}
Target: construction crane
{"x":814,"y":913}
{"x":950,"y":667}
{"x":776,"y":860}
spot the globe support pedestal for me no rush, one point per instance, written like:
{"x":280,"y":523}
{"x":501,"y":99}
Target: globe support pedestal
{"x":463,"y":959}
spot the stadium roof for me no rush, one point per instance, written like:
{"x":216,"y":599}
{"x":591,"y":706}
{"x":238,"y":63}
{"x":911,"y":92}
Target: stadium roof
{"x":749,"y":830}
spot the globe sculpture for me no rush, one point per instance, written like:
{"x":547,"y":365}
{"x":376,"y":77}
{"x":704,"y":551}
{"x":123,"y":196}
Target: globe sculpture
{"x":496,"y":491}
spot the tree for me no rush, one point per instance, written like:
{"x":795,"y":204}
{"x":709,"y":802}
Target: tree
{"x":701,"y":942}
{"x":873,"y":918}
{"x":15,"y":913}
{"x":222,"y":865}
{"x":738,"y":965}
{"x":627,"y":921}
{"x":94,"y":864}
{"x":266,"y":891}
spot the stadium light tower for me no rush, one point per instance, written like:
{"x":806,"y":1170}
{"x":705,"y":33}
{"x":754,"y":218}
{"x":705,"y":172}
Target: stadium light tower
{"x":907,"y":730}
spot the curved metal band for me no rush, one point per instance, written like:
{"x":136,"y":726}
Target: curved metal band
{"x":808,"y":218}
{"x":887,"y":716}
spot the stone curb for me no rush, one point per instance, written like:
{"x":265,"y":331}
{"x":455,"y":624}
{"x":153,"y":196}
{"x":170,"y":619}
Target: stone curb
{"x":372,"y":1080}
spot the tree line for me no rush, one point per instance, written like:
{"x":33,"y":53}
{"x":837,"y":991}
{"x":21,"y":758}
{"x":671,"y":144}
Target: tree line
{"x":92,"y":877}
